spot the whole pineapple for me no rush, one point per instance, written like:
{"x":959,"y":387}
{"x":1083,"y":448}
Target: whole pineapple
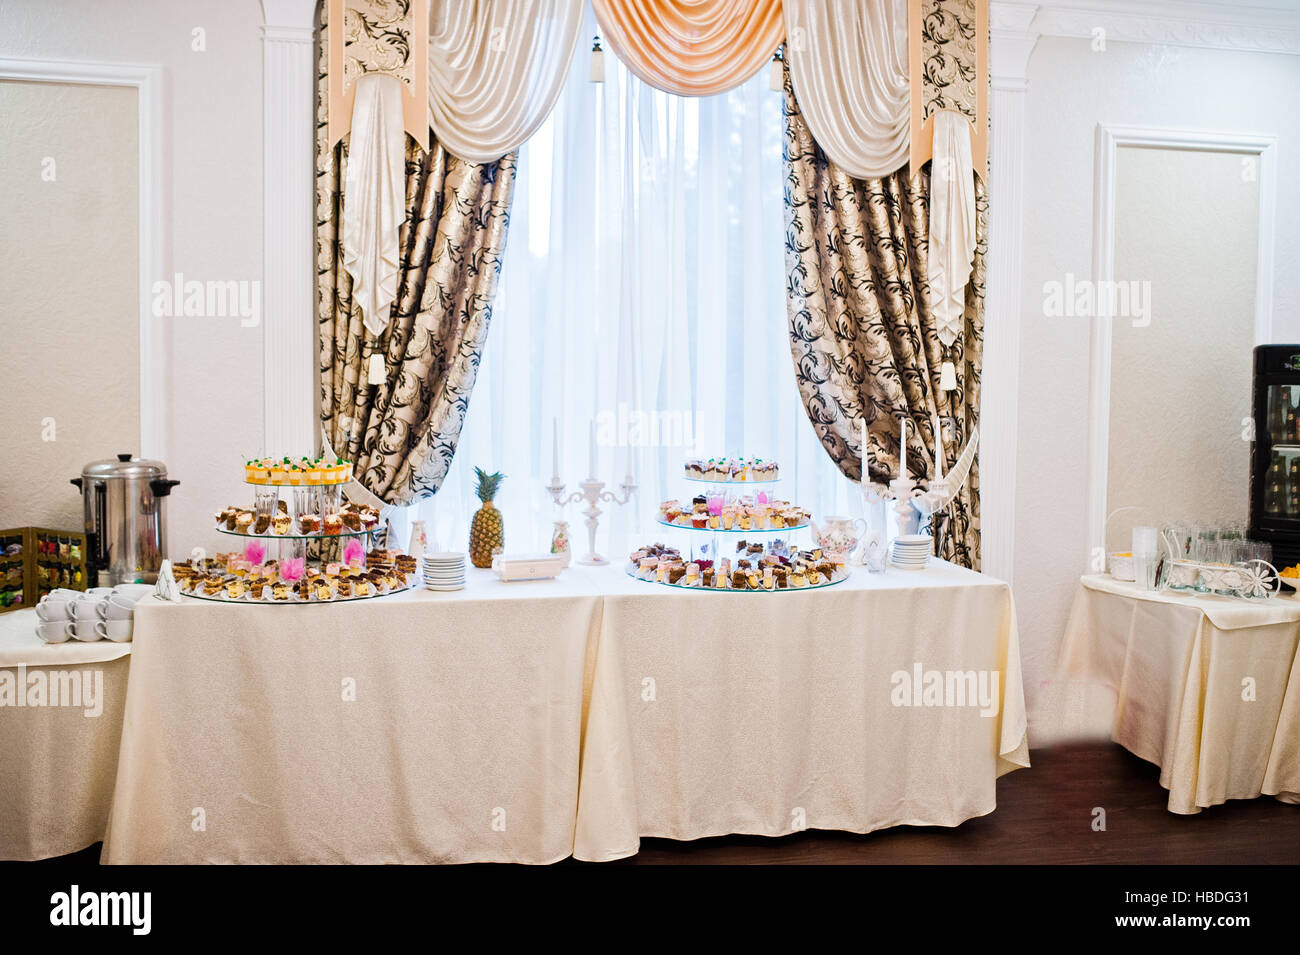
{"x":487,"y":532}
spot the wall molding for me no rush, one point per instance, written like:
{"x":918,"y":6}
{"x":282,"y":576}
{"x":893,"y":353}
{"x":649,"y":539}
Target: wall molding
{"x":1109,"y":139}
{"x":146,"y":79}
{"x":1216,"y":26}
{"x":1011,"y":43}
{"x":288,"y":240}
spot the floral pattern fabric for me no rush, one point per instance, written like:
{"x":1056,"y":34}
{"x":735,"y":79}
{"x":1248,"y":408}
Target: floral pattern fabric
{"x":401,"y":432}
{"x":863,"y":339}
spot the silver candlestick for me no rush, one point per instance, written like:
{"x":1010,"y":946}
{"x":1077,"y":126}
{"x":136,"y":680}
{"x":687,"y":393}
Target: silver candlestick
{"x":594,"y":493}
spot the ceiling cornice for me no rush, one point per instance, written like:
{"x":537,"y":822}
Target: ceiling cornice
{"x":1216,"y":26}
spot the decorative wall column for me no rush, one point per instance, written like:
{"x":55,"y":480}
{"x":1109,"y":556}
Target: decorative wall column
{"x":1012,"y":40}
{"x":288,"y":274}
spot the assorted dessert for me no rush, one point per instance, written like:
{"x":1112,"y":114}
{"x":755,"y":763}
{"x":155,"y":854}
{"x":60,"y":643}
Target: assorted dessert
{"x":711,"y":512}
{"x":728,"y":470}
{"x":231,"y":577}
{"x":303,"y":471}
{"x":754,"y":567}
{"x":350,"y":518}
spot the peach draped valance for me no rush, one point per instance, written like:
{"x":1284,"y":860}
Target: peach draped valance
{"x":692,"y":47}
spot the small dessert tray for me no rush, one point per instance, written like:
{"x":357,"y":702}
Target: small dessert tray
{"x":318,"y":535}
{"x":729,"y":483}
{"x":734,"y":530}
{"x":839,"y":578}
{"x":293,"y":599}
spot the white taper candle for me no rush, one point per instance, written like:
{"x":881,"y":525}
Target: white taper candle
{"x":866,"y":456}
{"x":902,"y":448}
{"x":938,"y":447}
{"x":555,"y":450}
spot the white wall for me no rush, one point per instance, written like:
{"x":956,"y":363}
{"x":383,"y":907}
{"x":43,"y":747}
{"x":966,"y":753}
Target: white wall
{"x":1070,"y":90}
{"x":212,"y":174}
{"x":69,"y":291}
{"x":1180,"y":373}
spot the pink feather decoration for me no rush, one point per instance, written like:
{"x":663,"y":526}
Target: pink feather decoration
{"x":254,"y":552}
{"x":292,"y":568}
{"x":354,"y":553}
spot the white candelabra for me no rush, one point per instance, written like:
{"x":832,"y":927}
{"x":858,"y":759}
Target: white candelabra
{"x":913,"y":502}
{"x":592,"y":491}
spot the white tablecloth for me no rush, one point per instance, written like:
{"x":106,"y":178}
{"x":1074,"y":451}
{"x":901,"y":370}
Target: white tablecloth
{"x":461,"y":743}
{"x":57,"y":762}
{"x":1207,"y":688}
{"x":477,"y":713}
{"x":768,"y":713}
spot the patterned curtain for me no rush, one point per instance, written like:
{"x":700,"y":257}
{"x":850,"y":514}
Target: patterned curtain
{"x":861,"y":333}
{"x":402,"y":432}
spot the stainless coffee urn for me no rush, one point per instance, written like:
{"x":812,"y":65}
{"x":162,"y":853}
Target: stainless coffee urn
{"x":126,"y":525}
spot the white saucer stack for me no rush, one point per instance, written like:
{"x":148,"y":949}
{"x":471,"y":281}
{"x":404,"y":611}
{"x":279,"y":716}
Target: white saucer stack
{"x":911,"y":551}
{"x":444,"y":571}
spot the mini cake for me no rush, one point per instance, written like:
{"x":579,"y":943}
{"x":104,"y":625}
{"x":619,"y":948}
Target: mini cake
{"x":333,"y":524}
{"x":281,"y":524}
{"x":309,"y":523}
{"x":261,"y":524}
{"x":240,"y":521}
{"x":280,"y":591}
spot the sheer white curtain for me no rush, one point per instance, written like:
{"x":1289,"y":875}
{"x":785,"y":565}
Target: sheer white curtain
{"x":644,"y":289}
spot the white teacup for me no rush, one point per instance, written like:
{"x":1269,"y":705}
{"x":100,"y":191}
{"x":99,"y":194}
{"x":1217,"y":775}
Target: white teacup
{"x":134,"y":591}
{"x":118,"y":607}
{"x":99,"y":591}
{"x":55,"y":631}
{"x":51,"y":611}
{"x":118,"y":631}
{"x":83,"y":629}
{"x":87,"y":608}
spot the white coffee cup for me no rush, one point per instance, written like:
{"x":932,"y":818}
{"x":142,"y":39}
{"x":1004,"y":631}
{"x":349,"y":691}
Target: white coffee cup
{"x":90,"y":608}
{"x":83,"y":629}
{"x":134,"y":591}
{"x":118,"y":631}
{"x":87,"y":608}
{"x":50,"y":611}
{"x":55,"y":631}
{"x":118,"y":607}
{"x":99,"y":591}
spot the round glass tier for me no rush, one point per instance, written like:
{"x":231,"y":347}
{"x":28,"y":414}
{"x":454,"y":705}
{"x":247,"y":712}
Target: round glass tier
{"x":297,"y":486}
{"x":293,"y":600}
{"x":829,"y":582}
{"x":721,"y":483}
{"x":734,"y":530}
{"x":318,"y":536}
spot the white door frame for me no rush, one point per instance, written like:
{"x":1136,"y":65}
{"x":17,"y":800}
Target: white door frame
{"x":1108,"y":141}
{"x":146,"y":79}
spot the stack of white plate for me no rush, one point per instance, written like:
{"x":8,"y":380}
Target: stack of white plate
{"x":444,"y":571}
{"x":911,"y":551}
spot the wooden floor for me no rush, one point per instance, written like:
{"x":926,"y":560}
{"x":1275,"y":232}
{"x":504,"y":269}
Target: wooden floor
{"x":1044,"y":816}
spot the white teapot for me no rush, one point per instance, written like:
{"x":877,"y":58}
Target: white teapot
{"x":838,"y":536}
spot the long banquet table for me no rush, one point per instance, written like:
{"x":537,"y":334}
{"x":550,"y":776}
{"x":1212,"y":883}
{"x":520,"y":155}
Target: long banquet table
{"x":530,"y":721}
{"x":771,"y":713}
{"x":58,"y":747}
{"x":1206,"y":687}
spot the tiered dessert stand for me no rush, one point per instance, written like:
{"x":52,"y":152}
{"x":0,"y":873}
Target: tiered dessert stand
{"x":319,"y":499}
{"x":728,"y":491}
